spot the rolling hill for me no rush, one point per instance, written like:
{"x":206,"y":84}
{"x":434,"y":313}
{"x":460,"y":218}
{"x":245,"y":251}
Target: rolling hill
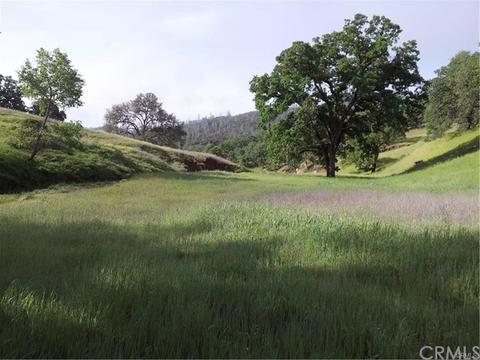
{"x":101,"y":157}
{"x":415,"y":152}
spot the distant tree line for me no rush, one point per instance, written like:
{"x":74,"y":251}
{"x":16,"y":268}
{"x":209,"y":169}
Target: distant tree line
{"x":246,"y":150}
{"x":215,"y":130}
{"x":238,"y":138}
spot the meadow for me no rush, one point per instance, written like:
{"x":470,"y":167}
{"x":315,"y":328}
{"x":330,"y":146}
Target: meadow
{"x":340,"y":220}
{"x":241,"y":265}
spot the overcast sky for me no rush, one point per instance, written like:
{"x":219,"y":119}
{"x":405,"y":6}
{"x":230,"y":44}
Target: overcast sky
{"x":198,"y":57}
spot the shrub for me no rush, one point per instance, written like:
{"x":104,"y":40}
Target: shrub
{"x":57,"y":135}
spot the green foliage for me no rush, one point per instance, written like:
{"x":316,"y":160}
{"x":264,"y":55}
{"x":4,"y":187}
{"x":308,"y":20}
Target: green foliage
{"x":55,"y":112}
{"x":246,"y":150}
{"x":58,"y":136}
{"x":339,"y":85}
{"x":285,"y":142}
{"x":52,"y":80}
{"x":453,"y":96}
{"x":363,"y":151}
{"x":10,"y":95}
{"x":143,"y":118}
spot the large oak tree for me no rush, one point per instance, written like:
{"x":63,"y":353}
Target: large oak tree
{"x":338,"y":87}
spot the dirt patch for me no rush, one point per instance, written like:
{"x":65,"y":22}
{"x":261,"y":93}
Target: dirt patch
{"x":192,"y":161}
{"x":216,"y":163}
{"x":309,"y":167}
{"x":210,"y":163}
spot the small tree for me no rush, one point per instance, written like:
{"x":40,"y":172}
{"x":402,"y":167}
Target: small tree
{"x":52,"y":81}
{"x":143,"y":118}
{"x":453,"y":96}
{"x":363,"y":151}
{"x":10,"y":95}
{"x":337,"y":86}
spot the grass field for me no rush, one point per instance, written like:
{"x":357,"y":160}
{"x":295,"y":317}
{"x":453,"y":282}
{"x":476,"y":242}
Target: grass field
{"x":221,"y":265}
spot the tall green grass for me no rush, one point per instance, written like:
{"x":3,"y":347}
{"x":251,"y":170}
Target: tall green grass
{"x":188,"y":265}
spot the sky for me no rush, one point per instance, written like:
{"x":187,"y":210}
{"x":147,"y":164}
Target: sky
{"x":198,"y":57}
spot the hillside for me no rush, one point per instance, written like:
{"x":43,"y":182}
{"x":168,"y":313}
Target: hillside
{"x":215,"y":130}
{"x":102,"y":156}
{"x":415,"y":152}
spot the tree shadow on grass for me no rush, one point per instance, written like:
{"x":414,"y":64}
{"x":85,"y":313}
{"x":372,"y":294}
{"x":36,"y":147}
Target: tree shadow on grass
{"x":384,"y":162}
{"x":91,"y":289}
{"x":411,"y":140}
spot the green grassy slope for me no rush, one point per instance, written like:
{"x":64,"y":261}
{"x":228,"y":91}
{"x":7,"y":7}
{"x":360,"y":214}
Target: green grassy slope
{"x":415,"y":153}
{"x":102,"y":157}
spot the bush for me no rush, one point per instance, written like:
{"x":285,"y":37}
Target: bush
{"x":363,"y":153}
{"x":57,"y":135}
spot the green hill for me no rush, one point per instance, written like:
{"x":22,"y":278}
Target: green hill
{"x":415,"y":152}
{"x":101,"y":157}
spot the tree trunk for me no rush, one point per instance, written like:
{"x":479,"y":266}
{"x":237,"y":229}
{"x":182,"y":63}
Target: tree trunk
{"x":331,"y":164}
{"x":36,"y":144}
{"x":330,"y":161}
{"x":374,"y":165}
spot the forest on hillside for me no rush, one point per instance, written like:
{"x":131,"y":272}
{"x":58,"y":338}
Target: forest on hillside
{"x":217,"y":129}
